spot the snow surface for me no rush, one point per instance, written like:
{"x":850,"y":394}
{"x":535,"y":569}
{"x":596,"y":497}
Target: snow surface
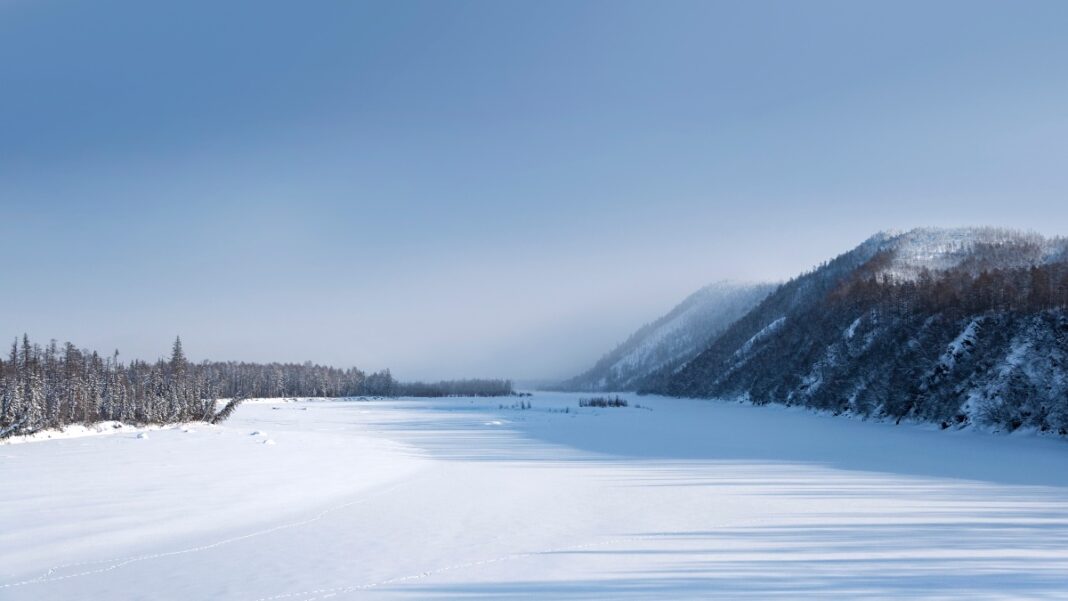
{"x":98,"y":429}
{"x":766,"y":331}
{"x":962,"y":344}
{"x":852,"y":329}
{"x":459,"y":499}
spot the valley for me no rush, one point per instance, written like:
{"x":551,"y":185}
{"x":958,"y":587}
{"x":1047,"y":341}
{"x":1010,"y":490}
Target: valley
{"x":663,"y":499}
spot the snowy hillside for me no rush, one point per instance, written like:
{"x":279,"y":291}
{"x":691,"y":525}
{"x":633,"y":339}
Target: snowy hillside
{"x":956,"y":327}
{"x":461,"y":499}
{"x":976,"y":249}
{"x":674,"y":338}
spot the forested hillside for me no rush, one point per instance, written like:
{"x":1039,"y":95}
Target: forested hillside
{"x":956,"y":327}
{"x":673,"y":339}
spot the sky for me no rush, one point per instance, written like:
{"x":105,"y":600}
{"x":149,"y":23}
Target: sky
{"x":496,"y":189}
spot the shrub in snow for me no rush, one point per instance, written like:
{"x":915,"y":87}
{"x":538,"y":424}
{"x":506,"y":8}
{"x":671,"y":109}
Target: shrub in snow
{"x":603,"y":402}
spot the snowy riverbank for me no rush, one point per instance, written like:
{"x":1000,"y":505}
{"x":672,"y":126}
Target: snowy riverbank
{"x":459,"y":498}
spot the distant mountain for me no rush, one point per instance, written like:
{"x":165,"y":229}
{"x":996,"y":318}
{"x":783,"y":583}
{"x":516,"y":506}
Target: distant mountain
{"x":674,"y":338}
{"x":952,"y":326}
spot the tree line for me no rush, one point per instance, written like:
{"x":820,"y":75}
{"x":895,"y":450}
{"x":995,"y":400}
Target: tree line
{"x":960,"y":291}
{"x":52,"y":386}
{"x":469,"y":387}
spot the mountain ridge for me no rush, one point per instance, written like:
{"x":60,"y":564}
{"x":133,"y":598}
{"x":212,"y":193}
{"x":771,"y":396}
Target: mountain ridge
{"x":960,"y":326}
{"x":675,"y":337}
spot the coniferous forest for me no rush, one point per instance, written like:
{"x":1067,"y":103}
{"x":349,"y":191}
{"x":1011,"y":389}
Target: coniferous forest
{"x":955,"y":327}
{"x":52,"y":386}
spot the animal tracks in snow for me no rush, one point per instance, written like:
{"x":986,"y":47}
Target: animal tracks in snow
{"x":326,"y":593}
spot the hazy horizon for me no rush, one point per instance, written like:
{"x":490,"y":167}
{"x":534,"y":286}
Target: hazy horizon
{"x":489,"y":189}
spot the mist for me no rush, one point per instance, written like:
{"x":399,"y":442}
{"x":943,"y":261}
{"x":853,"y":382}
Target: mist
{"x":486,"y":190}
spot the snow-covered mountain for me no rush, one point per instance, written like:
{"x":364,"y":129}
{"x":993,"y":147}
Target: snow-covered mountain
{"x":907,"y":254}
{"x":953,"y":326}
{"x":674,"y":338}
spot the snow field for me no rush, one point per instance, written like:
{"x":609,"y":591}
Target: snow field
{"x":455,"y":498}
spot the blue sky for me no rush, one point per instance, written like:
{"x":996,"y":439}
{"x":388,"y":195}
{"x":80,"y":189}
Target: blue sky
{"x":490,"y":188}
